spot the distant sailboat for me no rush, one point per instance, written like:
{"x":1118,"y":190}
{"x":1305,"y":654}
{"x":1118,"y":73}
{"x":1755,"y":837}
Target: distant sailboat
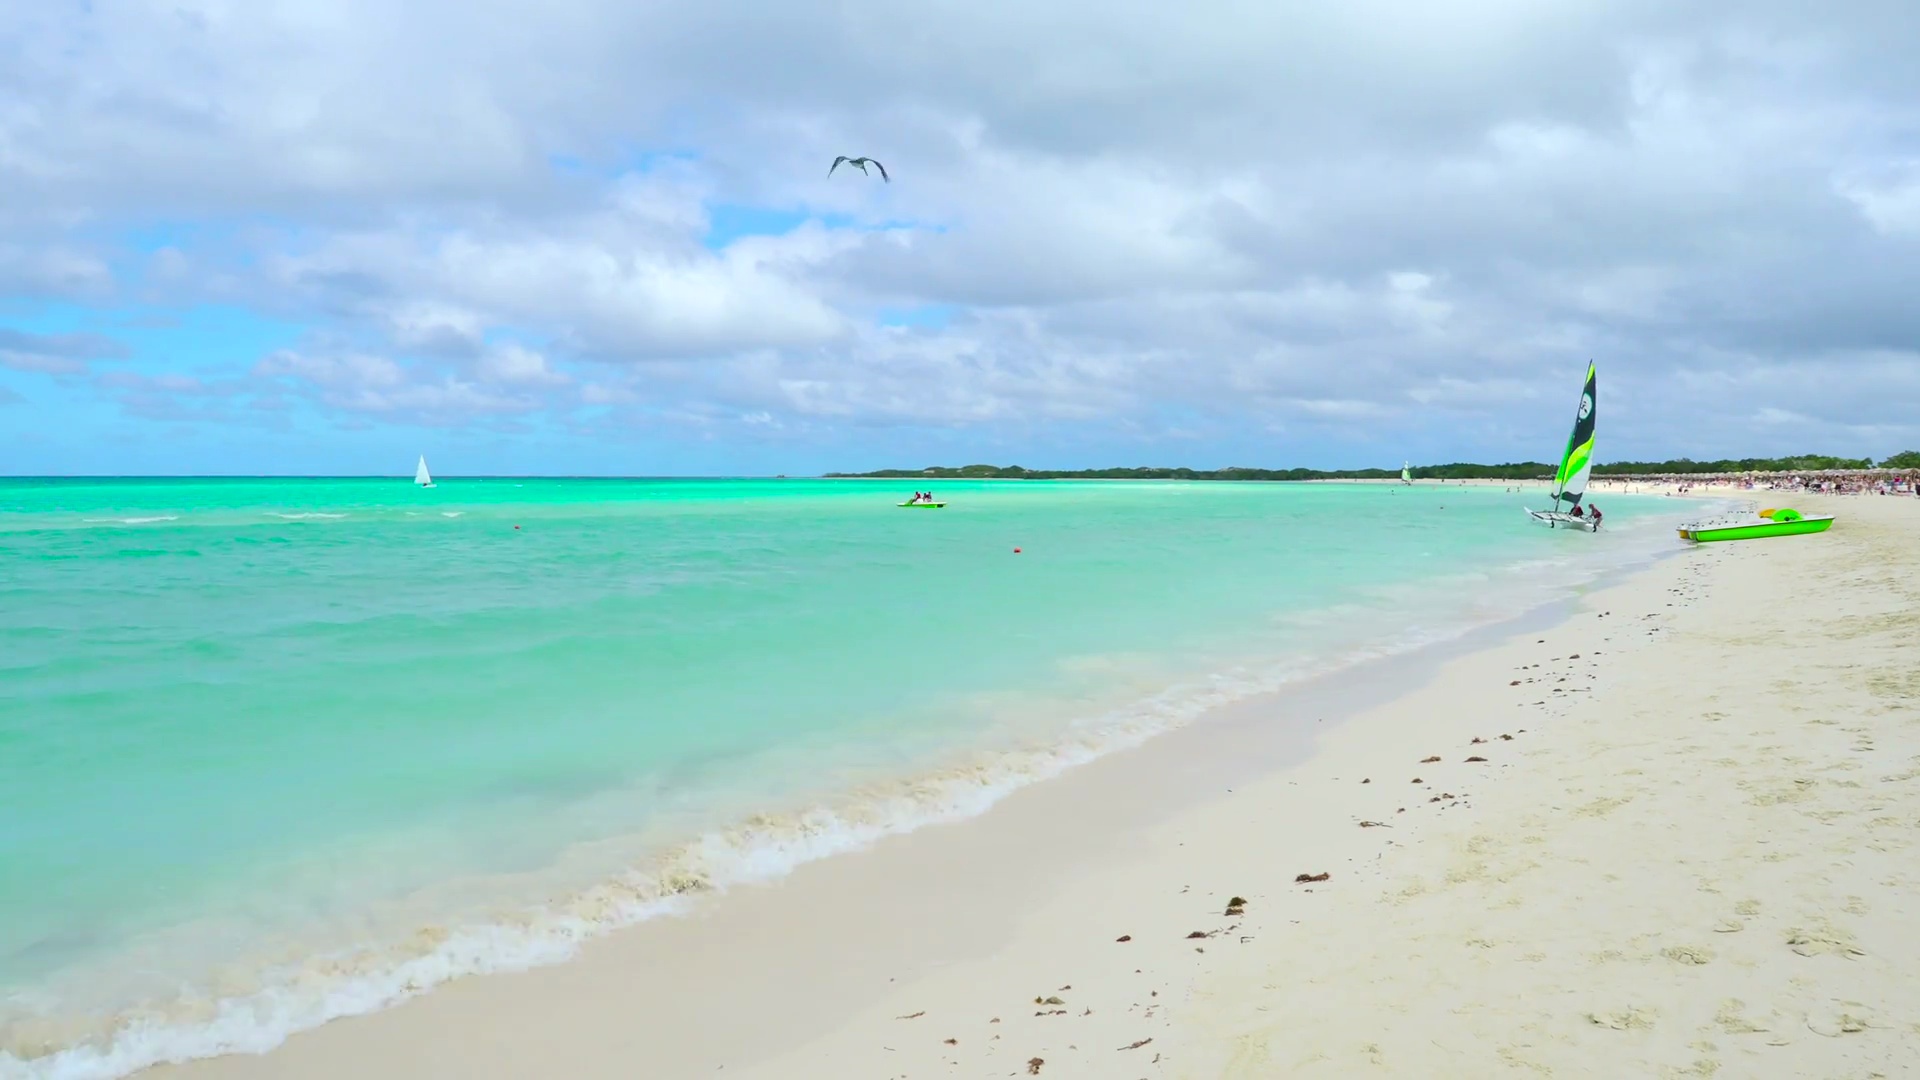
{"x":1576,"y":463}
{"x":420,"y":474}
{"x":1406,"y":477}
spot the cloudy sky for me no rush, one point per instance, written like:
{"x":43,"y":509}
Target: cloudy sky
{"x":597,"y":236}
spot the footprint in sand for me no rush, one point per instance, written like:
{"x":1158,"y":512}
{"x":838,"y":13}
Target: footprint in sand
{"x":1821,"y":940}
{"x":1631,"y":1018}
{"x":1688,"y":954}
{"x":1733,"y":1020}
{"x":1839,"y":1018}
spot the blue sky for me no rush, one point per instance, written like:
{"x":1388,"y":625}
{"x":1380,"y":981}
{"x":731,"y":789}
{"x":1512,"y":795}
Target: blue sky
{"x":237,"y":241}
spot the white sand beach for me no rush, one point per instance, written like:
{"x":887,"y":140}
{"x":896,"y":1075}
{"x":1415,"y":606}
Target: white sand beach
{"x":1668,"y":831}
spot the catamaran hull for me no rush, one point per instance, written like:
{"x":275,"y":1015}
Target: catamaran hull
{"x":1553,"y":519}
{"x":1703,"y":534}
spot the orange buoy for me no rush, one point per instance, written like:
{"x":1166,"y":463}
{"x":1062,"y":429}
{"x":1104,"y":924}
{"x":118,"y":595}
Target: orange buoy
{"x":1016,"y":551}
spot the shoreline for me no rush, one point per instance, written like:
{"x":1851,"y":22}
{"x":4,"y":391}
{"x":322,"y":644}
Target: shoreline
{"x":1697,"y":858}
{"x":1551,"y":913}
{"x":247,"y":1020}
{"x":715,"y":958}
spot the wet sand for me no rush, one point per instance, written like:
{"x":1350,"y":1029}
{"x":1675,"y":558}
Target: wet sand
{"x":1686,"y":846}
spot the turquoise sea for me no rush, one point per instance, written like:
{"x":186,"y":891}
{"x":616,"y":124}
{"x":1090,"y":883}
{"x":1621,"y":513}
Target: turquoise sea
{"x":274,"y":751}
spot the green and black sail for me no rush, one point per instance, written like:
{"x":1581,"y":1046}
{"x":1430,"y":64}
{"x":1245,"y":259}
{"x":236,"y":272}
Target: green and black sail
{"x":1570,"y":483}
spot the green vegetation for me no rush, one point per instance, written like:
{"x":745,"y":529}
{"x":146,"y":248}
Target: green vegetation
{"x":1460,"y":470}
{"x":1799,"y":463}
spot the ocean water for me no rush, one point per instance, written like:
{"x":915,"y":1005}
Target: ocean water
{"x":276,"y":751}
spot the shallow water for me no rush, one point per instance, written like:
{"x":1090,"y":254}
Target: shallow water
{"x":273,"y":751}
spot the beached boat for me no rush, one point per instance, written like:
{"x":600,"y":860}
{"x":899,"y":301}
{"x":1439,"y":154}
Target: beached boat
{"x":1781,"y":522}
{"x":1576,"y":462}
{"x":420,"y":474}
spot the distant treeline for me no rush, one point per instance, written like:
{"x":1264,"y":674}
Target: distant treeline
{"x":1459,"y":470}
{"x":1015,"y":472}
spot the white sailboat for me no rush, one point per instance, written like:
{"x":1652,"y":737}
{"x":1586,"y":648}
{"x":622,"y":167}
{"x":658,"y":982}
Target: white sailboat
{"x":420,"y":474}
{"x":1576,"y":463}
{"x":1406,"y":475}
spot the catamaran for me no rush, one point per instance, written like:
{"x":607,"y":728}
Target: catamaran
{"x":1576,"y":462}
{"x":420,"y":474}
{"x":1406,"y":475}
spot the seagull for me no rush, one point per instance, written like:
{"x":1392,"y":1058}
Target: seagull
{"x":860,"y":163}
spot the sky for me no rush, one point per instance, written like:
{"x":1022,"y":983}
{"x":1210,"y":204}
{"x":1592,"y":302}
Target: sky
{"x":600,"y":237}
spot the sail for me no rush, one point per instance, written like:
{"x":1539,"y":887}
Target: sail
{"x":1406,"y":477}
{"x":420,"y":475}
{"x":1570,"y":483}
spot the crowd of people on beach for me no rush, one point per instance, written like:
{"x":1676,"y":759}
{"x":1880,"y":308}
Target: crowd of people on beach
{"x":1851,"y":484}
{"x":1878,"y":482}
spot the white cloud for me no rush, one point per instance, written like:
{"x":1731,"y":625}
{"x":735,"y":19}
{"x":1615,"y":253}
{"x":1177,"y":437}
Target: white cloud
{"x":626,"y":282}
{"x":360,"y":383}
{"x":55,"y":354}
{"x":598,"y":393}
{"x":355,"y":372}
{"x":1890,"y":201}
{"x":49,"y":269}
{"x":515,"y":364}
{"x":428,"y":326}
{"x":1316,"y":216}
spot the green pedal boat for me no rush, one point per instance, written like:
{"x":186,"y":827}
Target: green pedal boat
{"x":1782,"y":522}
{"x":923,"y":505}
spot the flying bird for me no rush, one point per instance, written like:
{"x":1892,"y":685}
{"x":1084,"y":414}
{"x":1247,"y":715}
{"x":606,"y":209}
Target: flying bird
{"x":860,"y":163}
